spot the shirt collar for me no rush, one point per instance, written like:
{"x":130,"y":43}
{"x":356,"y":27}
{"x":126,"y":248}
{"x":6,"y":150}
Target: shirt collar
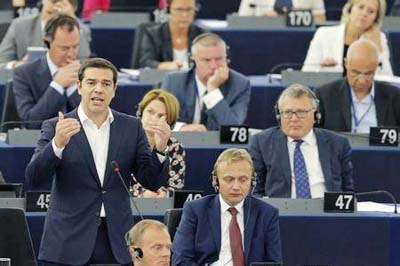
{"x":309,"y":138}
{"x":53,"y":68}
{"x":368,"y":99}
{"x":201,"y":88}
{"x":83,"y":117}
{"x":225,"y":206}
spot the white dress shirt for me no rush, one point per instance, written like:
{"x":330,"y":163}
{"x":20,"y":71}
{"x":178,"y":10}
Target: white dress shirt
{"x":210,"y":100}
{"x":98,"y":140}
{"x":182,"y":57}
{"x":225,"y":255}
{"x":309,"y":149}
{"x":365,"y":112}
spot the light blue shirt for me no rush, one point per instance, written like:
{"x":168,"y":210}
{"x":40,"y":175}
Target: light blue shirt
{"x":53,"y":71}
{"x":363,"y":112}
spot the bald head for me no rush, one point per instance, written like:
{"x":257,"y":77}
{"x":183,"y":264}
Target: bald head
{"x":363,"y":51}
{"x":361,"y":64}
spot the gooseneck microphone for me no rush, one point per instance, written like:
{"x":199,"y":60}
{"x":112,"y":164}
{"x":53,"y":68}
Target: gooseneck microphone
{"x":380,"y":192}
{"x":115,"y":167}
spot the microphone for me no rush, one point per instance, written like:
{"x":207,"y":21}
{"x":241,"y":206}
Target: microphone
{"x":380,"y":192}
{"x":115,"y":167}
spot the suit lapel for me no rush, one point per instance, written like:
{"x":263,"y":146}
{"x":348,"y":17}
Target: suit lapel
{"x":344,"y":100}
{"x":83,"y":146}
{"x":324,"y":152}
{"x":283,"y":157}
{"x":167,"y":41}
{"x":113,"y":147}
{"x":249,"y":221}
{"x":381,"y":105}
{"x":214,"y":218}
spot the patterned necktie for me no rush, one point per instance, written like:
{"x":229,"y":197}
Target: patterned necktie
{"x":300,"y":173}
{"x":235,"y":239}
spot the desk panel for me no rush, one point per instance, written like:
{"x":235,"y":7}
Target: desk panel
{"x":326,"y":239}
{"x":252,"y":51}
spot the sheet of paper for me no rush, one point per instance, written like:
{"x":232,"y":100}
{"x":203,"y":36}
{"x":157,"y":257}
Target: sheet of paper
{"x":369,"y":206}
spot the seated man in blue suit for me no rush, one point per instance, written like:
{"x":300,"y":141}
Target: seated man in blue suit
{"x":90,"y":211}
{"x":232,"y":227}
{"x":48,"y":85}
{"x":210,"y":94}
{"x":298,"y":160}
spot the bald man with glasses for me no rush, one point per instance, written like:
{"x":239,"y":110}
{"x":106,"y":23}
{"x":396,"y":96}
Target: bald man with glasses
{"x":357,"y":102}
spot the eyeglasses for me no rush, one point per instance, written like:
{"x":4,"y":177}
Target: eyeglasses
{"x":181,"y":10}
{"x":287,"y":114}
{"x":357,"y":74}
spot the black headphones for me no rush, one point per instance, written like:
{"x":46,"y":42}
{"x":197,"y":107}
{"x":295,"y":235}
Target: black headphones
{"x":202,"y":36}
{"x":317,"y":113}
{"x":137,"y":252}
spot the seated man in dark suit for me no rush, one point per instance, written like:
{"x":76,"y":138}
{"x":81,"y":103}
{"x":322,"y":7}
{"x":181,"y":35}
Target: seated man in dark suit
{"x":47,"y":85}
{"x":210,"y":94}
{"x":28,"y":31}
{"x":296,"y":160}
{"x":90,"y":209}
{"x":357,"y":102}
{"x":149,"y":244}
{"x":232,"y":227}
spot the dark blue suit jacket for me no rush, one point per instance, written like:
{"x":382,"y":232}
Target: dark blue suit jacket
{"x":76,"y":195}
{"x":232,"y":110}
{"x":270,"y":155}
{"x":34,"y":97}
{"x":198,"y":237}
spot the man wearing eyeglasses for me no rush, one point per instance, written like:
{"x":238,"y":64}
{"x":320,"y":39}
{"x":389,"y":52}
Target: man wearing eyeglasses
{"x":297,"y":160}
{"x":357,"y":102}
{"x":47,"y":85}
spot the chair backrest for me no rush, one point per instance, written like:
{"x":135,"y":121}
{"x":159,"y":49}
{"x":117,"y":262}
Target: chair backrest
{"x":3,"y":29}
{"x":120,"y":19}
{"x":136,"y":44}
{"x":9,"y":112}
{"x":172,"y":218}
{"x":15,"y":239}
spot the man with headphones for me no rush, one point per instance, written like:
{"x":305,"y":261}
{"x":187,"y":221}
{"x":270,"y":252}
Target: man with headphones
{"x":210,"y":94}
{"x":149,"y":243}
{"x":29,"y":31}
{"x":231,"y":228}
{"x":357,"y":102}
{"x":46,"y":86}
{"x":297,"y":160}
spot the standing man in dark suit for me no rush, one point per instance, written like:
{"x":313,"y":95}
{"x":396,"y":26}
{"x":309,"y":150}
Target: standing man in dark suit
{"x":232,"y":227}
{"x":210,"y":94}
{"x":296,"y":160}
{"x":48,"y":85}
{"x":357,"y":102}
{"x":90,"y":211}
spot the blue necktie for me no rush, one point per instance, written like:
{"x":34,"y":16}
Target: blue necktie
{"x":300,"y":173}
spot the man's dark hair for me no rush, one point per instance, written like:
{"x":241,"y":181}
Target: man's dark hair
{"x":59,"y":21}
{"x":97,"y":63}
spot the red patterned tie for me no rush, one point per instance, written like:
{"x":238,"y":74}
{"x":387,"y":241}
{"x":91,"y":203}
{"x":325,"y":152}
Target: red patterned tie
{"x":235,"y":239}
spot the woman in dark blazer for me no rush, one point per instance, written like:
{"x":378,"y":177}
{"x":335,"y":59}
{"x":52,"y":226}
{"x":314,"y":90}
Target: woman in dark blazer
{"x":166,"y":46}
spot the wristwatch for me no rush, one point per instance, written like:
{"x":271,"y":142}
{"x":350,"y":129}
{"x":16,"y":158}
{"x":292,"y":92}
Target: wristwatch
{"x":163,"y":153}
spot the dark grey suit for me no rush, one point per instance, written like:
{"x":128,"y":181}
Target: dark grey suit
{"x":232,"y":110}
{"x":34,"y":97}
{"x":335,"y":107}
{"x":270,"y":154}
{"x":156,"y":44}
{"x":27,"y":31}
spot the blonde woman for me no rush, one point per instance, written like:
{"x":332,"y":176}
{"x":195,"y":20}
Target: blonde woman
{"x":361,"y":19}
{"x":160,"y":105}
